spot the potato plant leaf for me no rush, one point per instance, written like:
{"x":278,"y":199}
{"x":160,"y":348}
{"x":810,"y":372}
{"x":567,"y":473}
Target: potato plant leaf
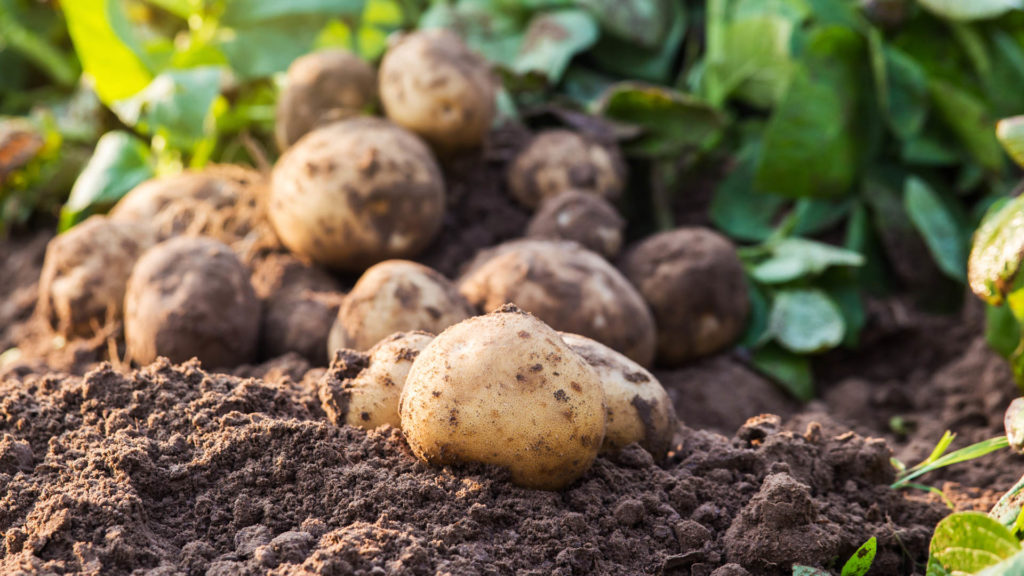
{"x":860,"y":562}
{"x":176,"y":105}
{"x":107,"y":47}
{"x":937,"y":226}
{"x":738,"y":212}
{"x":262,"y":48}
{"x":1001,"y":329}
{"x":901,"y":85}
{"x":994,"y":264}
{"x":963,"y":10}
{"x":968,"y":117}
{"x":805,"y":321}
{"x":640,"y":22}
{"x":966,"y":543}
{"x":634,"y":61}
{"x":120,"y":162}
{"x":794,"y":258}
{"x":755,"y":64}
{"x":791,"y":371}
{"x":488,"y":29}
{"x":245,"y":12}
{"x":551,"y":41}
{"x":1010,"y":132}
{"x":671,"y":120}
{"x":800,"y":570}
{"x":1012,"y":566}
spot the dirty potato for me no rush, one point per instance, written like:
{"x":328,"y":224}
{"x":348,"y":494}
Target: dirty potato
{"x":566,"y":286}
{"x":191,"y":297}
{"x":396,"y":296}
{"x":557,"y":161}
{"x":504,"y":389}
{"x":581,"y":217}
{"x":357,"y":192}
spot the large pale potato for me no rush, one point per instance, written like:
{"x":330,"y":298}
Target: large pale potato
{"x":557,"y":161}
{"x":504,"y":389}
{"x":396,"y":296}
{"x":566,"y":286}
{"x":363,"y":390}
{"x":432,"y":84}
{"x":639,"y":409}
{"x":85,"y":273}
{"x":694,"y":283}
{"x":357,"y":192}
{"x":320,"y":88}
{"x":191,"y":297}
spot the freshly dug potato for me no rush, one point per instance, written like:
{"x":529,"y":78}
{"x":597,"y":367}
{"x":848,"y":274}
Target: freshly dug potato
{"x":85,"y":272}
{"x":694,"y":283}
{"x":581,"y":217}
{"x":362,"y":390}
{"x":504,"y":389}
{"x":191,"y":297}
{"x":396,"y":296}
{"x":432,"y":84}
{"x":566,"y":286}
{"x":638,"y":407}
{"x":356,"y":192}
{"x":300,"y":303}
{"x":320,"y":88}
{"x":557,"y":161}
{"x":224,"y":202}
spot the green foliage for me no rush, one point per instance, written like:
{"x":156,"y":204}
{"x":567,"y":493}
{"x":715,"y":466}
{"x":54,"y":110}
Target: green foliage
{"x":969,"y":542}
{"x":856,"y":565}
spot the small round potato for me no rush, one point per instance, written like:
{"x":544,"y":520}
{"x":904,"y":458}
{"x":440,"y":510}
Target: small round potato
{"x":432,"y":84}
{"x":224,"y":202}
{"x":320,"y":88}
{"x":191,"y":297}
{"x":566,"y":286}
{"x":300,"y":303}
{"x":85,"y":273}
{"x":396,"y":296}
{"x":694,"y":283}
{"x":639,"y":409}
{"x":356,"y":192}
{"x":581,"y":217}
{"x":557,"y":161}
{"x":504,"y":389}
{"x":362,"y":390}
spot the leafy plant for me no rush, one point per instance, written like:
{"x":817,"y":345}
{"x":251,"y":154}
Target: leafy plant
{"x":856,"y":565}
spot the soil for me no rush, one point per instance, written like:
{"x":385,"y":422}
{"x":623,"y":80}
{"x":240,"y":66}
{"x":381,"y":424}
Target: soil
{"x":172,"y":469}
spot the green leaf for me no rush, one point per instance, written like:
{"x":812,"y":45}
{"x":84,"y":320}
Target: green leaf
{"x":992,"y":270}
{"x":1002,"y":332}
{"x":757,"y":322}
{"x":806,"y":321}
{"x":755,"y":64}
{"x":120,"y":162}
{"x":968,"y":118}
{"x":968,"y":542}
{"x":484,"y":25}
{"x":902,"y":86}
{"x":107,"y":47}
{"x":799,"y":570}
{"x":264,"y":48}
{"x":552,"y":39}
{"x":671,"y":120}
{"x":632,"y":60}
{"x":640,"y":22}
{"x":1010,"y":132}
{"x":791,"y":371}
{"x":246,"y":12}
{"x":860,"y":562}
{"x":176,"y":105}
{"x":794,"y":258}
{"x":1012,"y":566}
{"x":847,"y":295}
{"x":929,"y":150}
{"x":964,"y":10}
{"x":937,"y":226}
{"x":736,"y":210}
{"x":816,"y":215}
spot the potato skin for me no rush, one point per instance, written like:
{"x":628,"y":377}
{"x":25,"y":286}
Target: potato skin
{"x":568,"y":287}
{"x":581,"y":217}
{"x":363,"y":390}
{"x":432,"y":84}
{"x":396,"y":296}
{"x":191,"y":297}
{"x":299,"y":303}
{"x":638,"y":407}
{"x":320,"y":88}
{"x":85,"y":272}
{"x":504,"y":389}
{"x":357,"y":192}
{"x":557,"y":161}
{"x":694,"y":283}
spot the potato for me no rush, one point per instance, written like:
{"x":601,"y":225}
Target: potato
{"x":566,"y":286}
{"x":396,"y":296}
{"x":504,"y":389}
{"x":580,"y":217}
{"x":694,"y":283}
{"x":224,"y":202}
{"x":191,"y":297}
{"x":85,"y":273}
{"x":300,"y":303}
{"x":432,"y":84}
{"x":638,"y":407}
{"x":557,"y":161}
{"x":320,"y":88}
{"x":362,"y":390}
{"x":356,"y":192}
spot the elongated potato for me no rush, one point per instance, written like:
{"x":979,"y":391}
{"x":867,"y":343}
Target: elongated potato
{"x":504,"y":389}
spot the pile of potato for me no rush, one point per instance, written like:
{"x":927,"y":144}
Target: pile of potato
{"x":230,"y":266}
